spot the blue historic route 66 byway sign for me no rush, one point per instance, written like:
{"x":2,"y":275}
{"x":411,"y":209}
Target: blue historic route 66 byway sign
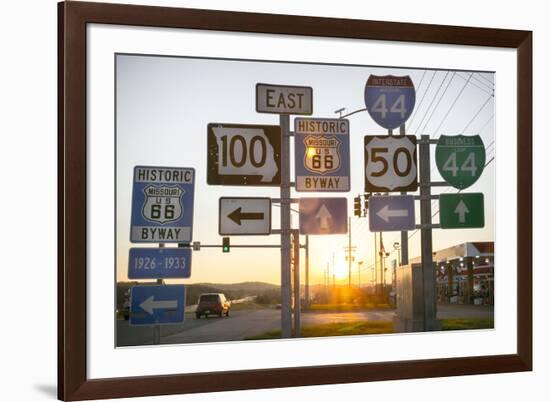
{"x":162,"y":204}
{"x":389,"y":99}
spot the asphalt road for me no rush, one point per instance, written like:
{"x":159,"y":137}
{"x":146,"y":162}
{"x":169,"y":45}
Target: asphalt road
{"x":244,"y":323}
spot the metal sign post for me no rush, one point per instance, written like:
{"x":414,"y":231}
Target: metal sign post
{"x":297,"y":303}
{"x":286,"y":294}
{"x":428,"y":272}
{"x":404,"y":255}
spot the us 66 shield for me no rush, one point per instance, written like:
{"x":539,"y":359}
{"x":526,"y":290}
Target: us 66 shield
{"x":244,"y":154}
{"x":321,"y":149}
{"x":390,"y":163}
{"x":162,"y":204}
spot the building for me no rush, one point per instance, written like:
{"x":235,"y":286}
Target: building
{"x":465,"y":273}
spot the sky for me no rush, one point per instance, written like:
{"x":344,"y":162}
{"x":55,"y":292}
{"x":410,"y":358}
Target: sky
{"x":163,"y":107}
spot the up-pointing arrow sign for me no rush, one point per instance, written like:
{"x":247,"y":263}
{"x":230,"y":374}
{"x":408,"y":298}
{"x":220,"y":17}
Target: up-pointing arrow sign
{"x":461,"y":209}
{"x":245,"y":216}
{"x":324,"y":217}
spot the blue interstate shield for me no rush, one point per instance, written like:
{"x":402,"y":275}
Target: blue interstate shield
{"x":389,"y":99}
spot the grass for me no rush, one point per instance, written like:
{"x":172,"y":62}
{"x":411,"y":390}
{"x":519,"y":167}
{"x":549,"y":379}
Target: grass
{"x":467,"y":323}
{"x":347,"y":307}
{"x":335,"y":329}
{"x":373,"y":327}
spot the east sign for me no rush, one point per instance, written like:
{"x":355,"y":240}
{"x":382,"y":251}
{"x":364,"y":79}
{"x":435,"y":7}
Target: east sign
{"x":284,"y":99}
{"x":460,"y":159}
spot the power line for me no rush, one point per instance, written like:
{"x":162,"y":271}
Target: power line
{"x":439,"y":101}
{"x":478,"y":112}
{"x":452,"y":105}
{"x":486,"y":79}
{"x":433,"y":100}
{"x":477,"y":86}
{"x":417,"y":107}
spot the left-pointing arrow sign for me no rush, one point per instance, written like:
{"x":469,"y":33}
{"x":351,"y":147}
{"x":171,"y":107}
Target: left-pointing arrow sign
{"x":161,"y":304}
{"x":150,"y":304}
{"x":386,"y":213}
{"x":245,"y":216}
{"x":237,"y":216}
{"x":389,"y":213}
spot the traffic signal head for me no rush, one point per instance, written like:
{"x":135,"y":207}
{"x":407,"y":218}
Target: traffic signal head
{"x":225,"y":245}
{"x":357,"y":206}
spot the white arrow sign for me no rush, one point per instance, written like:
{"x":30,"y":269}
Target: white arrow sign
{"x":150,"y":304}
{"x":461,"y":209}
{"x":386,"y":213}
{"x":324,"y":217}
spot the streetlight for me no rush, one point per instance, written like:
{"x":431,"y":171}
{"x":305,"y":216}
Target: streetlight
{"x":397,"y":246}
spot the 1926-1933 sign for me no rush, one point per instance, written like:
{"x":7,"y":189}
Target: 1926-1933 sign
{"x":321,"y":149}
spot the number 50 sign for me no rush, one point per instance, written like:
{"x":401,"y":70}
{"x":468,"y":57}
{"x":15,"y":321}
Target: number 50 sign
{"x":390,"y":163}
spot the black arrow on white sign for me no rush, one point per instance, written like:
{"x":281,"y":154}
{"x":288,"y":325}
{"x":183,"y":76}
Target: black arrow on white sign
{"x":237,"y":216}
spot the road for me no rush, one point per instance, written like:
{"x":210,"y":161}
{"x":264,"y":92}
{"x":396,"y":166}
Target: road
{"x":244,"y":323}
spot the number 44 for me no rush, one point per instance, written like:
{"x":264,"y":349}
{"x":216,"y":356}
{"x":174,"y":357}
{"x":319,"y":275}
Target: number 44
{"x":397,"y":107}
{"x":469,"y":164}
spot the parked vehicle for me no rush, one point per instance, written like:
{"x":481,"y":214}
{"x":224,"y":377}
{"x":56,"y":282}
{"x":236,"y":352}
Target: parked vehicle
{"x":212,"y":304}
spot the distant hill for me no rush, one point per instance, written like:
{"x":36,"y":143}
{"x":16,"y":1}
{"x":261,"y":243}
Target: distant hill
{"x":246,"y":288}
{"x":192,"y":292}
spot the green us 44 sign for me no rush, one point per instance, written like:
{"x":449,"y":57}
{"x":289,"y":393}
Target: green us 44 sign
{"x":460,"y":159}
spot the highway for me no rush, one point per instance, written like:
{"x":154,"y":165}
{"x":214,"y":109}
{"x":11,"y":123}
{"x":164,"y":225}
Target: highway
{"x":244,"y":323}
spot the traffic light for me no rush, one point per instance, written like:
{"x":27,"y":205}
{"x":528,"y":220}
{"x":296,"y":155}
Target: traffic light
{"x":225,"y":245}
{"x":357,"y":206}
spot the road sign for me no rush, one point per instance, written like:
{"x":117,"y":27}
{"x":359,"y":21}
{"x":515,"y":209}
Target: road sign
{"x":389,"y":99}
{"x":321,"y":151}
{"x":460,"y":159}
{"x":245,"y":216}
{"x":151,"y":305}
{"x":323,"y":216}
{"x":244,"y":155}
{"x":391,"y":213}
{"x":159,"y":263}
{"x":462,"y":210}
{"x":162,"y":204}
{"x":390,"y":163}
{"x":284,"y":99}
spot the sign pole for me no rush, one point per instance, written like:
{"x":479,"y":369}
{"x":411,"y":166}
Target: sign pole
{"x":404,"y":259}
{"x":156,"y":328}
{"x":286,"y":294}
{"x":307,"y":271}
{"x":428,"y":272}
{"x":297,"y":306}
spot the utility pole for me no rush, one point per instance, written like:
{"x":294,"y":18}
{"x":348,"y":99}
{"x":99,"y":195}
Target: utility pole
{"x":375,"y":266}
{"x":297,"y":306}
